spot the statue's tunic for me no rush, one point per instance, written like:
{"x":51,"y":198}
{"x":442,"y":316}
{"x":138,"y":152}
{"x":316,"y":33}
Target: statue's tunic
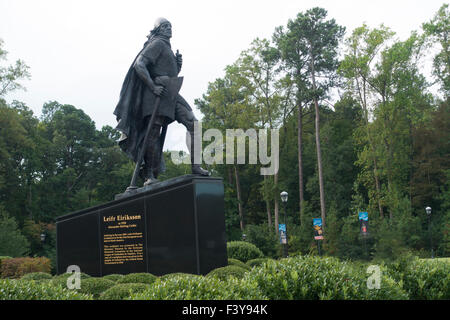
{"x":161,"y":62}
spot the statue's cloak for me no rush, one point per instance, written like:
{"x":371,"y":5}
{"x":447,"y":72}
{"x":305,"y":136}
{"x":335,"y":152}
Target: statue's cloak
{"x":129,"y":115}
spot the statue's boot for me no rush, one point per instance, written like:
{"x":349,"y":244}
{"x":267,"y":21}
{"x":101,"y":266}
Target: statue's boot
{"x":152,"y":156}
{"x":195,"y":167}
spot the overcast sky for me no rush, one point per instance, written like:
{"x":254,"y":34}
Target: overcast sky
{"x":80,"y":50}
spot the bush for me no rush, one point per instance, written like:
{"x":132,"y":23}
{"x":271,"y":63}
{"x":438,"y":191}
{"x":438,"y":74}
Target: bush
{"x":224,"y":273}
{"x":1,"y":259}
{"x":313,"y":278}
{"x":147,"y":278}
{"x":17,"y":267}
{"x":243,"y":251}
{"x":12,"y":289}
{"x":12,"y":241}
{"x":200,"y":288}
{"x":61,"y":279}
{"x":123,"y":290}
{"x":177,"y":274}
{"x":426,"y":279}
{"x":264,"y":238}
{"x":257,"y":262}
{"x":235,"y":262}
{"x":38,"y":276}
{"x":113,"y":277}
{"x":95,"y":286}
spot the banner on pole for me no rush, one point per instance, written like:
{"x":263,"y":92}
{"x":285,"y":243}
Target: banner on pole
{"x":282,"y":231}
{"x":364,"y":223}
{"x":317,"y":225}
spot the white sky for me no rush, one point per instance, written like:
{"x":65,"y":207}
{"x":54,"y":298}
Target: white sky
{"x":80,"y":50}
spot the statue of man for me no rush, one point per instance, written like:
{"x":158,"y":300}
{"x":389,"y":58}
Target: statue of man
{"x":143,"y":83}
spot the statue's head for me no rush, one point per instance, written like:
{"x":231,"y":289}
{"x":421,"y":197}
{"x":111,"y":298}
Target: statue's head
{"x":162,"y":27}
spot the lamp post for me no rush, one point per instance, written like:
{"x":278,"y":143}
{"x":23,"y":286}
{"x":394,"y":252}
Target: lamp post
{"x":43,"y":237}
{"x":428,"y":211}
{"x":284,"y":199}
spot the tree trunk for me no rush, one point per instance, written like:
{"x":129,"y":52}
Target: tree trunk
{"x":276,"y":209}
{"x":269,"y":214}
{"x":319,"y":153}
{"x":238,"y":192}
{"x":300,"y":160}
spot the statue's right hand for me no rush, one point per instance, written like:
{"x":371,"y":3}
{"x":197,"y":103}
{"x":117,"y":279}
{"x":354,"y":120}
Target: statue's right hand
{"x":159,"y":90}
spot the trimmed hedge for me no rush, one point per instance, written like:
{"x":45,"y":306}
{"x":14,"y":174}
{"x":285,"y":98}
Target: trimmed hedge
{"x":236,"y":262}
{"x":38,"y":276}
{"x":95,"y":286}
{"x":147,"y":278}
{"x":243,"y":251}
{"x":200,"y":288}
{"x":423,"y":279}
{"x":1,"y":259}
{"x":113,"y":277}
{"x":12,"y":289}
{"x":61,"y":280}
{"x":176,"y":274}
{"x":318,"y":278}
{"x":123,"y":291}
{"x":257,"y":262}
{"x":17,"y":267}
{"x":224,"y":273}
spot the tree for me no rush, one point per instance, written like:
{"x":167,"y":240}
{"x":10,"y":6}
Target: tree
{"x":12,"y":242}
{"x":10,"y":75}
{"x":318,"y":42}
{"x":437,"y":31}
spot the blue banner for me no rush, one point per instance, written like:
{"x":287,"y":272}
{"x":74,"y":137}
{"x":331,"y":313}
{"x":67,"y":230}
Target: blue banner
{"x":363,"y":216}
{"x":317,"y":225}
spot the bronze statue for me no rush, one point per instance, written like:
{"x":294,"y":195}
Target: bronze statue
{"x":150,"y":85}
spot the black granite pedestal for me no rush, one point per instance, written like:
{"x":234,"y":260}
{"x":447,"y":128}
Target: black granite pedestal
{"x":177,"y":225}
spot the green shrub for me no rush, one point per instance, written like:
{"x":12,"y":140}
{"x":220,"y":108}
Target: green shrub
{"x":313,"y":278}
{"x":426,"y":280}
{"x":243,"y":251}
{"x":147,"y":278}
{"x":17,"y":267}
{"x":95,"y":286}
{"x":200,"y":288}
{"x":177,"y":274}
{"x":235,"y":262}
{"x":114,"y":277}
{"x":37,"y":276}
{"x":61,"y":279}
{"x":11,"y":289}
{"x":264,"y":238}
{"x":257,"y":262}
{"x":224,"y":273}
{"x":123,"y":291}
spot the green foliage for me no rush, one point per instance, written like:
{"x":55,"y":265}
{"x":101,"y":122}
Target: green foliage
{"x":264,"y":239}
{"x":313,"y":278}
{"x":61,"y":280}
{"x":114,"y":277}
{"x":36,"y":276}
{"x":200,"y":288}
{"x":176,"y":274}
{"x":224,"y":273}
{"x":424,"y":279}
{"x":243,"y":251}
{"x":17,"y":267}
{"x":257,"y":262}
{"x":95,"y":286}
{"x":11,"y":289}
{"x":235,"y":262}
{"x":12,"y":242}
{"x":123,"y":291}
{"x":137,"y":278}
